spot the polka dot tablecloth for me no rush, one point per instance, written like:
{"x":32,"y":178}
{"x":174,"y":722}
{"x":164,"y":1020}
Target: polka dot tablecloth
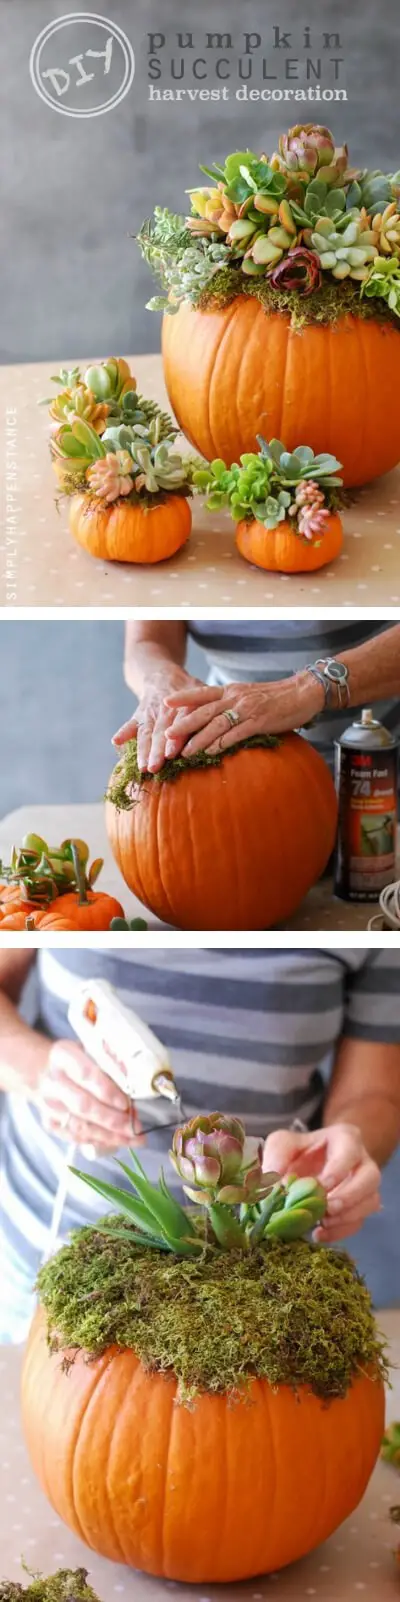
{"x":320,"y":909}
{"x":48,"y":569}
{"x":355,"y":1564}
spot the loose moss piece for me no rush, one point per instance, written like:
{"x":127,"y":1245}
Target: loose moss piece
{"x":292,"y":1314}
{"x":326,"y":305}
{"x":127,"y":773}
{"x":67,"y":1585}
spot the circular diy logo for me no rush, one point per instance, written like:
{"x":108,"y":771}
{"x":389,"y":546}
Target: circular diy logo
{"x":82,"y":64}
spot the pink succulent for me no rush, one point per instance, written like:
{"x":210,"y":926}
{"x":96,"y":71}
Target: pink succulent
{"x":308,"y":493}
{"x":299,"y":270}
{"x":213,"y":1154}
{"x":111,"y":476}
{"x":311,"y":521}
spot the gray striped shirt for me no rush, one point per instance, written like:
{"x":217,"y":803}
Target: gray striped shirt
{"x":266,"y":652}
{"x":250,"y":1032}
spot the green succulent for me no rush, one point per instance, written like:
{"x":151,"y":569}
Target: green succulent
{"x":293,"y":466}
{"x":373,"y":190}
{"x":319,"y":201}
{"x":155,"y":466}
{"x":185,"y":265}
{"x":346,"y":251}
{"x":212,"y":1153}
{"x":261,"y":486}
{"x":137,"y":412}
{"x":383,"y":281}
{"x":245,"y":175}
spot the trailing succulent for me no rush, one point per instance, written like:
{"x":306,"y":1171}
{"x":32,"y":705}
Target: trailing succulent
{"x":221,"y":1171}
{"x":39,"y":873}
{"x":284,"y":221}
{"x":110,"y":442}
{"x":275,"y":485}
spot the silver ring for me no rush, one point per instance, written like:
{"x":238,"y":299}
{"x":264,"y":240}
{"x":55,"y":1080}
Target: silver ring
{"x":233,"y":717}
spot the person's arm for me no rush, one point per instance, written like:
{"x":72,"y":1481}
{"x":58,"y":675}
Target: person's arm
{"x":374,"y":673}
{"x":365,"y":1090}
{"x":77,"y":1101}
{"x":360,"y":1131}
{"x":154,"y":668}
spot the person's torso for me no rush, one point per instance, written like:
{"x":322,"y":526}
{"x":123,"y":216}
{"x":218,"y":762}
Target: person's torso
{"x":266,"y":652}
{"x":247,"y":1032}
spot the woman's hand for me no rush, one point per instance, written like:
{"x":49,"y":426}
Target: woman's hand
{"x":337,"y":1157}
{"x":200,"y":720}
{"x":78,"y":1102}
{"x":151,"y":721}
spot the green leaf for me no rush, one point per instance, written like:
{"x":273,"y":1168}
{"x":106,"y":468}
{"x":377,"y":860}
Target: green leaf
{"x":227,"y":1229}
{"x":304,"y":454}
{"x":173,"y":1218}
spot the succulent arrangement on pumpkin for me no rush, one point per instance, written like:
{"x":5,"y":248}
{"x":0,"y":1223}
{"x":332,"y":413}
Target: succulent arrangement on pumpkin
{"x":183,"y":1358}
{"x":314,"y":245}
{"x":114,"y":455}
{"x":52,"y":887}
{"x":285,"y":504}
{"x":232,"y":840}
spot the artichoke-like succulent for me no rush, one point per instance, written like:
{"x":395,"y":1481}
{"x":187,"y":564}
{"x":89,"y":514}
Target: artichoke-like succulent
{"x":387,"y":227}
{"x":345,"y":252}
{"x":299,"y":271}
{"x":217,"y":1162}
{"x":110,"y":380}
{"x":307,"y":147}
{"x":111,"y":477}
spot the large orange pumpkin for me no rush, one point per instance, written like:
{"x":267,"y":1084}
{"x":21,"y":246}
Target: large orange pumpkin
{"x":280,"y":550}
{"x":124,"y":533}
{"x":210,"y":1493}
{"x":242,"y":371}
{"x":235,"y":846}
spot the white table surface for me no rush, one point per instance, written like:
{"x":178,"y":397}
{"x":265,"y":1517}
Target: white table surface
{"x":319,"y":910}
{"x":355,"y":1565}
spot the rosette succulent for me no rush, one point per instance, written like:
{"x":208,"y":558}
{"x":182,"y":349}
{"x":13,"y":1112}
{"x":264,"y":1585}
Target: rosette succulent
{"x":306,"y":148}
{"x":387,"y":228}
{"x":112,"y":476}
{"x":345,"y":251}
{"x":222,"y":1172}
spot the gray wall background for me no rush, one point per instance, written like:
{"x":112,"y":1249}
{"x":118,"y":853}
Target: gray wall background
{"x":62,"y":696}
{"x":72,"y":282}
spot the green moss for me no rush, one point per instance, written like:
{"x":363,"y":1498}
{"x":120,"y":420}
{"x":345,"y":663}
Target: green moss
{"x":291,"y":1314}
{"x":127,"y":773}
{"x":67,"y":1585}
{"x":76,"y":484}
{"x":326,"y":305}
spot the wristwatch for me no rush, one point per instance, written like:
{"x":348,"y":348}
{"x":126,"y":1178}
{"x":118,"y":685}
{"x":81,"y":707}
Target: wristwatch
{"x":334,"y":677}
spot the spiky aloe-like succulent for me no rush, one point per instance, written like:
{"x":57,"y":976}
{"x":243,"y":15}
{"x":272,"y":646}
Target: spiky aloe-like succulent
{"x":221,"y":1171}
{"x":273,"y":484}
{"x":383,"y":282}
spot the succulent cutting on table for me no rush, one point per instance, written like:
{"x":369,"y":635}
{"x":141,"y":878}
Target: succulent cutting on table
{"x":285,"y":504}
{"x":284,"y":282}
{"x":185,"y":1359}
{"x":114,"y":455}
{"x":46,"y":887}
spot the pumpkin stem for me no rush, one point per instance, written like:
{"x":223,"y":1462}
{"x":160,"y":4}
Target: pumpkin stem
{"x":79,"y":875}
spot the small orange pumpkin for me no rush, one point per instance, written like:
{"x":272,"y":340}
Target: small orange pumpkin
{"x":280,"y":550}
{"x":231,"y":846}
{"x":144,"y":1481}
{"x":238,"y":372}
{"x":118,"y":532}
{"x":69,"y":912}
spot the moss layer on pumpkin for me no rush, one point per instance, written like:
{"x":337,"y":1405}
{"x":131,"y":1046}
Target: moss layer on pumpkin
{"x":67,"y":1585}
{"x":292,"y":1314}
{"x":332,"y":301}
{"x":127,"y":772}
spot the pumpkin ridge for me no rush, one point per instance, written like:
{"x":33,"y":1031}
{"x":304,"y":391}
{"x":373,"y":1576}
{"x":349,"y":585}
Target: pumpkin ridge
{"x":225,"y":330}
{"x":134,"y":1381}
{"x":74,"y":1444}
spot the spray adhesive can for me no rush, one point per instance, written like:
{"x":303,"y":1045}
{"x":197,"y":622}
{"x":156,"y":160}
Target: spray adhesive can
{"x":366,"y":770}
